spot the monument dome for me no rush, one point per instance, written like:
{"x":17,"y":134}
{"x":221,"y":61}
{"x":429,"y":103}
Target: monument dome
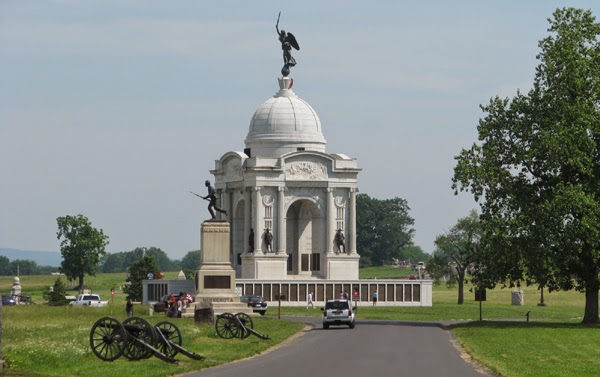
{"x":284,"y":123}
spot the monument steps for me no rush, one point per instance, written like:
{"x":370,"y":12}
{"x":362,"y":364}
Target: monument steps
{"x":220,"y":308}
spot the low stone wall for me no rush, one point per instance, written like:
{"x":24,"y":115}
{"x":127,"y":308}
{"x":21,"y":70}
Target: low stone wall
{"x":390,"y":292}
{"x":154,"y":290}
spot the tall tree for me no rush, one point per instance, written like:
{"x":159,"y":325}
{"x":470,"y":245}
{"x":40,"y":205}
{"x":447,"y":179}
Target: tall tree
{"x":383,"y":228}
{"x":81,"y":247}
{"x":459,"y":246}
{"x":536,"y":170}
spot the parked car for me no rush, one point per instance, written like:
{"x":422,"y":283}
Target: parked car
{"x":338,"y":313}
{"x":7,"y":300}
{"x":258,"y":303}
{"x":88,"y":299}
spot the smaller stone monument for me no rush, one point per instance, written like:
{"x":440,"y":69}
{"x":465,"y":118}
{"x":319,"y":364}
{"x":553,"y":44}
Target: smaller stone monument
{"x":517,"y":297}
{"x":15,"y":292}
{"x":215,"y":278}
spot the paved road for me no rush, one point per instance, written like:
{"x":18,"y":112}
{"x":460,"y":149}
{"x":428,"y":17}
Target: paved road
{"x":372,"y":349}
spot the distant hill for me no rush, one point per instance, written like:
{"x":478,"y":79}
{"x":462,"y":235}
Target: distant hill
{"x":42,"y":258}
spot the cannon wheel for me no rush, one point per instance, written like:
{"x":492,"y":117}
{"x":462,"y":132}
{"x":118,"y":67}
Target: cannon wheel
{"x":226,"y":326}
{"x":138,"y":328}
{"x":108,"y":339}
{"x":171,"y":333}
{"x":245,"y":320}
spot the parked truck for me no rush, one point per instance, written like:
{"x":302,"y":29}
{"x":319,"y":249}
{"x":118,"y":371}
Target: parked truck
{"x":88,"y":299}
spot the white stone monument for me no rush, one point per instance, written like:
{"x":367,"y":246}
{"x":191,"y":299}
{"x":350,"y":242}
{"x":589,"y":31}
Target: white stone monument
{"x":286,"y":183}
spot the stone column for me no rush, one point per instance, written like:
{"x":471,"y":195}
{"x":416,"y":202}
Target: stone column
{"x":281,"y":226}
{"x":247,"y":220}
{"x":258,"y":229}
{"x":352,"y":220}
{"x":331,"y":212}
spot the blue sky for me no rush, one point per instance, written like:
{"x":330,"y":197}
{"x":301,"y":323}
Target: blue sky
{"x":115,"y":109}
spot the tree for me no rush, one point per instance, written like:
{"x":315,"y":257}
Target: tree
{"x":138,"y":271}
{"x":162,"y":259}
{"x":383,"y":229}
{"x":4,"y":265}
{"x":81,"y":247}
{"x":56,"y":296}
{"x":114,"y":262}
{"x":413,"y":253}
{"x":191,"y":261}
{"x":459,"y":246}
{"x":536,"y":169}
{"x":24,"y":267}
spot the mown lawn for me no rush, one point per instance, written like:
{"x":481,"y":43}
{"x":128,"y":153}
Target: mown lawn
{"x":39,"y":340}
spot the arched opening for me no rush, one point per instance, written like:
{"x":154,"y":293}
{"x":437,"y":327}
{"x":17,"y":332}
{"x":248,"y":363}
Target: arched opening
{"x":304,"y":238}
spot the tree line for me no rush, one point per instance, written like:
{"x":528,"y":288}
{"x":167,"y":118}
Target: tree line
{"x":22,"y":267}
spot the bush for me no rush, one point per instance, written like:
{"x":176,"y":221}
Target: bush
{"x":56,"y":295}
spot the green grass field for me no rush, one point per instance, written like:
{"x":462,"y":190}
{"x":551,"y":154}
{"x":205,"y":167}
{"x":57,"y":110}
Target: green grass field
{"x":45,"y":341}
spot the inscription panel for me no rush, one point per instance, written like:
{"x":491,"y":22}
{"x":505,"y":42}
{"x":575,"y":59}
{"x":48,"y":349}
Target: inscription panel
{"x":217,"y":282}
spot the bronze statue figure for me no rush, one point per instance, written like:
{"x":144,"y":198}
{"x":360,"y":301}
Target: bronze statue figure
{"x":212,"y":198}
{"x":268,"y":240}
{"x":339,"y":241}
{"x":287,"y":42}
{"x":251,"y":240}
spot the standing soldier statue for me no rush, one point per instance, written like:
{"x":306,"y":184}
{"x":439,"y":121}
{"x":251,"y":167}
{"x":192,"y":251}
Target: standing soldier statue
{"x":269,"y":240}
{"x":339,"y":241}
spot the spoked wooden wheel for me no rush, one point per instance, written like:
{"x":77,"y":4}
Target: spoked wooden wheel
{"x":167,"y":332}
{"x":108,"y":339}
{"x":141,"y":333}
{"x":245,"y":320}
{"x":226,"y":326}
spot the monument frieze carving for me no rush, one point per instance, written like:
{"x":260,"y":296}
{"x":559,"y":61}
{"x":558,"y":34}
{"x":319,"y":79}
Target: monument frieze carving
{"x":233,"y":169}
{"x":306,"y":170}
{"x":340,"y":201}
{"x":268,"y":200}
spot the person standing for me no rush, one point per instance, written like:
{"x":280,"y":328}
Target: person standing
{"x":179,"y":306}
{"x":129,"y":308}
{"x":375,"y":297}
{"x":310,"y":300}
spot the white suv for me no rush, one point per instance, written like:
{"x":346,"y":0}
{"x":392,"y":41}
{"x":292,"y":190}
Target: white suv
{"x":338,"y":312}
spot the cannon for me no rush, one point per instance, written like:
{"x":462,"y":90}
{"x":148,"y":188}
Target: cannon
{"x":137,"y":339}
{"x":240,"y":325}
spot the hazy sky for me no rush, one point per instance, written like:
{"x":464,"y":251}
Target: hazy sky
{"x":116,"y":109}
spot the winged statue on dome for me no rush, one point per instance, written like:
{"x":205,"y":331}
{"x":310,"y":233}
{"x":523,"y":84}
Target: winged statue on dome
{"x":288,"y":41}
